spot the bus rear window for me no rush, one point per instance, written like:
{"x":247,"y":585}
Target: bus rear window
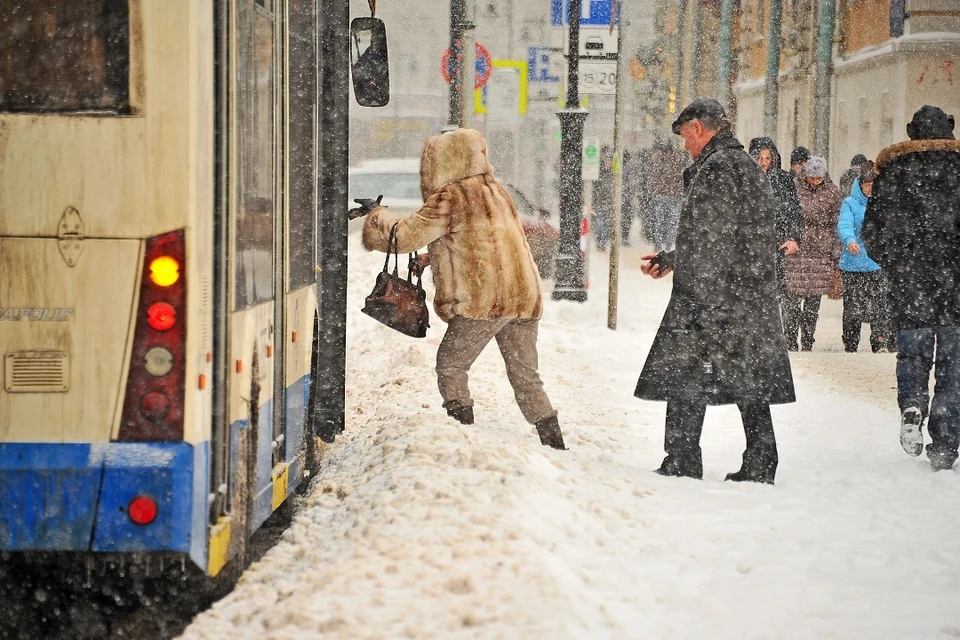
{"x":64,"y":55}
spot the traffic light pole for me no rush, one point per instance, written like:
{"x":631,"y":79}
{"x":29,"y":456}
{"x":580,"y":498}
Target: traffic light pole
{"x":569,"y":280}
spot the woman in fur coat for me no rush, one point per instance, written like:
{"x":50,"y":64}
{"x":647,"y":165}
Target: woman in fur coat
{"x":487,"y":285}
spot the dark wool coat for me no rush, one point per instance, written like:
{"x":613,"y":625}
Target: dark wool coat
{"x":789,"y":221}
{"x":723,"y":310}
{"x":809,"y":270}
{"x":912,"y":230}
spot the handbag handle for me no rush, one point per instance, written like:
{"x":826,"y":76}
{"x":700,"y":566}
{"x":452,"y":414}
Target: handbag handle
{"x":393,"y":248}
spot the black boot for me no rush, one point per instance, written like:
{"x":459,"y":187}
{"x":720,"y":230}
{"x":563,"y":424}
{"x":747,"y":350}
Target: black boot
{"x":549,"y":431}
{"x":746,"y":476}
{"x":460,"y":413}
{"x":690,"y":467}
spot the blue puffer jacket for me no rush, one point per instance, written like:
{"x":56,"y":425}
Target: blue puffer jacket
{"x":848,"y":227}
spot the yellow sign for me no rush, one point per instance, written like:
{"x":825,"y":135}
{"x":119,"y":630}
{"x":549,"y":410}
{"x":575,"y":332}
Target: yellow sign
{"x":520,"y":65}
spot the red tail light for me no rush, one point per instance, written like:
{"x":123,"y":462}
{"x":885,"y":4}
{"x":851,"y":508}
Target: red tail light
{"x":142,"y":510}
{"x":153,"y":404}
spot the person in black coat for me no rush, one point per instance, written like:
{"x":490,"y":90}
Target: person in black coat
{"x":720,"y":340}
{"x":788,"y":223}
{"x":911,"y":229}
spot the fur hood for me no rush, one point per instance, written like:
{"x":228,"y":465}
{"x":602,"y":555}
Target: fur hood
{"x":450,"y":157}
{"x":915,"y":146}
{"x":479,"y":255}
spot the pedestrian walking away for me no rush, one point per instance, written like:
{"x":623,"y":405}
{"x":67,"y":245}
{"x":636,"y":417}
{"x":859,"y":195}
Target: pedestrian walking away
{"x":487,"y":286}
{"x":912,"y":229}
{"x":719,"y":341}
{"x":603,"y":201}
{"x":864,"y":283}
{"x":788,"y":223}
{"x":810,"y":270}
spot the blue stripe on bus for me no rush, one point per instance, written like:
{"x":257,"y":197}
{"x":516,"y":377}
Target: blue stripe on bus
{"x":49,"y":493}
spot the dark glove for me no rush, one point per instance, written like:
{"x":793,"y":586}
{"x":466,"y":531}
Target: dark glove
{"x":366,"y":206}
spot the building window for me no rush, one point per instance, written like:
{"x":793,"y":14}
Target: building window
{"x":65,"y":55}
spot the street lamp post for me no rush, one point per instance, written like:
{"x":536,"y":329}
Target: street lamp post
{"x":569,"y":281}
{"x":458,"y":13}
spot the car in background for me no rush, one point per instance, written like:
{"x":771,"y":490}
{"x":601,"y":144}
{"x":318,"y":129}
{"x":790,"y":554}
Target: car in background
{"x":398,"y":179}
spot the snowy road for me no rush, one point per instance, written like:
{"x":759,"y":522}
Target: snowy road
{"x":421,"y":528}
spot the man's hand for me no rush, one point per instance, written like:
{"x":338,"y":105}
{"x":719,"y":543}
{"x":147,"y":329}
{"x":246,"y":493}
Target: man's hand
{"x":789,"y":247}
{"x":652,"y":270}
{"x":366,"y":206}
{"x":854,"y":248}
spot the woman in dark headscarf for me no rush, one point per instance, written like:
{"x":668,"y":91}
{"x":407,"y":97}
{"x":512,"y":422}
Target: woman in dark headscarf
{"x":789,"y":216}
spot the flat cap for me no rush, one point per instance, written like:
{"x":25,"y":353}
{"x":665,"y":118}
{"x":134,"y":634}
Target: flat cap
{"x":697,"y":110}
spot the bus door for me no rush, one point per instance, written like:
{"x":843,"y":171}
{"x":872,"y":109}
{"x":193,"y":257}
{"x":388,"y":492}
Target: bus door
{"x":252,"y":169}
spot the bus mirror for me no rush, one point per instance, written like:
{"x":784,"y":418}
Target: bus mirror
{"x":368,"y":62}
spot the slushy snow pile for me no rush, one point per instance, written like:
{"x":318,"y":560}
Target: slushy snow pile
{"x":419,"y":527}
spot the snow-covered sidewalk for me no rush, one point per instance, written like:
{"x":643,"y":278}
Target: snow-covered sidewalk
{"x":419,"y":527}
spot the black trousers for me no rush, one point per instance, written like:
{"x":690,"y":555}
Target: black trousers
{"x":684,"y":426}
{"x":864,"y":300}
{"x":800,"y":313}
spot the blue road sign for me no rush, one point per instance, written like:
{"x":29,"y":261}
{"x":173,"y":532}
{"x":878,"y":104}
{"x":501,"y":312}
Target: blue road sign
{"x":593,"y":13}
{"x":538,"y":65}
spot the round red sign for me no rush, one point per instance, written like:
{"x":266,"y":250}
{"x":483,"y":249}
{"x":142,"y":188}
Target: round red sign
{"x":482,"y":69}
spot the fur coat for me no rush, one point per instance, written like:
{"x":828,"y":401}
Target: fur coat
{"x":481,"y":262}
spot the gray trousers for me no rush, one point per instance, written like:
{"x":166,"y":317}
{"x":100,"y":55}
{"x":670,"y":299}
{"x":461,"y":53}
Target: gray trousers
{"x":462,"y":344}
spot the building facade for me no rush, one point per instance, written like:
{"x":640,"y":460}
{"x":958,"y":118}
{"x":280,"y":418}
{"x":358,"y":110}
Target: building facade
{"x":889,"y":58}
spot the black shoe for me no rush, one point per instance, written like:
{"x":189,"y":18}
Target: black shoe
{"x":549,"y":431}
{"x":743,"y":476}
{"x":460,"y":413}
{"x":792,"y":347}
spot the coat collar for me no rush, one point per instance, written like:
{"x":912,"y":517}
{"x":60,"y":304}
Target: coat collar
{"x":723,"y":140}
{"x":915,"y":146}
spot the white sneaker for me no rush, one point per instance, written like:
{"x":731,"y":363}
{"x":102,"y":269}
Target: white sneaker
{"x":911,"y":434}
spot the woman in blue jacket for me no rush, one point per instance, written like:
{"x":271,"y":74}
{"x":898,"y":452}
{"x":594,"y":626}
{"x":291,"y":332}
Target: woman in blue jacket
{"x":864,"y":284}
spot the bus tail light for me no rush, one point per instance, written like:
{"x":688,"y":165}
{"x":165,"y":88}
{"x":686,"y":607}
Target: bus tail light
{"x":153,"y":403}
{"x":142,"y":510}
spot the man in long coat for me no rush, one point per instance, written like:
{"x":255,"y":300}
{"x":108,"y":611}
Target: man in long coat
{"x":911,"y":229}
{"x":720,"y":340}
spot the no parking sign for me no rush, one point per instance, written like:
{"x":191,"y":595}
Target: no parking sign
{"x":482,"y":69}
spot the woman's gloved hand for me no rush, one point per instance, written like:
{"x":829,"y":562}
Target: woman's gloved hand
{"x":366,"y":206}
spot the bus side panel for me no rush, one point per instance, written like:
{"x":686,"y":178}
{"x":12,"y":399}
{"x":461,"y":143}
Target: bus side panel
{"x":301,"y":308}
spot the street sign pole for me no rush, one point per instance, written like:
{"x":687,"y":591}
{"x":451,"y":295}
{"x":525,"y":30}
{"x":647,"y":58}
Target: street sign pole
{"x":458,"y":10}
{"x":616,"y":240}
{"x":569,"y":283}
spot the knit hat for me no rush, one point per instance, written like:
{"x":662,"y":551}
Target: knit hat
{"x":930,"y":123}
{"x":816,"y":167}
{"x":858,"y":160}
{"x":798,"y":155}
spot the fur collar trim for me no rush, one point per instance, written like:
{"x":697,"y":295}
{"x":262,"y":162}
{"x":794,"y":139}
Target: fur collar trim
{"x":915,"y":146}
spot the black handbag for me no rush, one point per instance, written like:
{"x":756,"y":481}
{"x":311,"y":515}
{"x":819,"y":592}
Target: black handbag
{"x":396,"y":302}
